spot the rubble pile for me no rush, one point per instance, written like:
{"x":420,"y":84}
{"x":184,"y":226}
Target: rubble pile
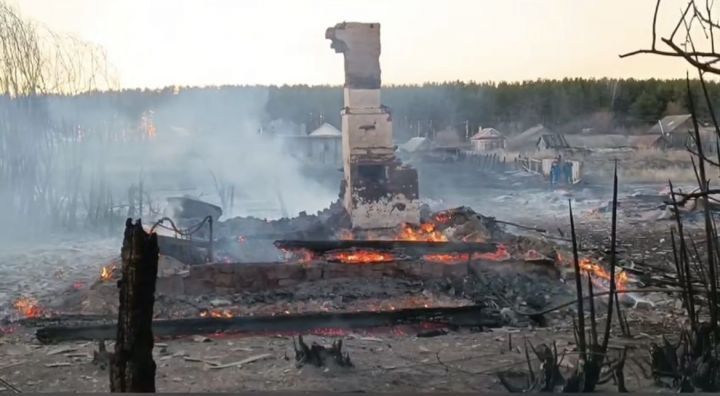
{"x":318,"y":226}
{"x":460,"y":224}
{"x":465,"y":225}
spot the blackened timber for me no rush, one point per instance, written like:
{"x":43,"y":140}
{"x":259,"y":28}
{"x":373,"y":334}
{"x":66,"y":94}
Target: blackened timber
{"x":469,"y":316}
{"x":132,"y":368}
{"x":407,"y":247}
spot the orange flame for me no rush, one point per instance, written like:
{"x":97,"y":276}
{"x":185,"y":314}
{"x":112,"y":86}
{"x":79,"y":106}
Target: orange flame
{"x":147,"y":125}
{"x":216,"y":313}
{"x":106,"y":272}
{"x":362,"y":257}
{"x":598,"y":271}
{"x":588,"y":266}
{"x":426,"y":232}
{"x":28,"y":307}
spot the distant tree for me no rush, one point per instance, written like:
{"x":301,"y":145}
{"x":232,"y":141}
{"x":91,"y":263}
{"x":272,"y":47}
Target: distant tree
{"x":674,"y":108}
{"x":647,"y":107}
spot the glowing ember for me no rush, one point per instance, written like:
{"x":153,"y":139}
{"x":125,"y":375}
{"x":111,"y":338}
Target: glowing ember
{"x":501,"y":254}
{"x":534,"y":255}
{"x":443,"y":218}
{"x":216,"y":313}
{"x":106,"y":272}
{"x":449,"y":258}
{"x":361,"y":257}
{"x":426,"y":232}
{"x":28,"y":307}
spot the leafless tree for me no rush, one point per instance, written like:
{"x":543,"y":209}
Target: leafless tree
{"x":20,"y":56}
{"x":695,"y":361}
{"x":36,"y":62}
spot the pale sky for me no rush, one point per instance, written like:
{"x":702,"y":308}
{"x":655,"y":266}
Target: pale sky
{"x":156,"y":43}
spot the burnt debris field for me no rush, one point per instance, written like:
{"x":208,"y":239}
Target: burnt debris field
{"x":230,"y":239}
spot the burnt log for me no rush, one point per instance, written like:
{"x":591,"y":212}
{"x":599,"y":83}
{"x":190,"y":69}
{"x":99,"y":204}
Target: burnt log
{"x":410,"y":248}
{"x":469,"y":316}
{"x":132,"y":368}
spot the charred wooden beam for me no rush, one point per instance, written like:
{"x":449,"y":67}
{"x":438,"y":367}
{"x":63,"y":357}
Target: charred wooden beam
{"x":132,"y":368}
{"x":407,"y":247}
{"x":469,"y":316}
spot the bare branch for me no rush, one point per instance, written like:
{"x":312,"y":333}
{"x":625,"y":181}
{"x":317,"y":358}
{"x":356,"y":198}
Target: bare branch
{"x":688,"y":56}
{"x":654,"y":25}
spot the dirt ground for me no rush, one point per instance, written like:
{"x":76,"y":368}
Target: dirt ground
{"x":383,"y":361}
{"x":461,"y":361}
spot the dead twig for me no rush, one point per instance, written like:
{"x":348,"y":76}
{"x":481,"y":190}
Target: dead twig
{"x":9,"y":386}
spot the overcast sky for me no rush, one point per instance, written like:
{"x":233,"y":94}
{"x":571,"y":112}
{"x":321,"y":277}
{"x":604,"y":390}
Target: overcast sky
{"x":155,"y":43}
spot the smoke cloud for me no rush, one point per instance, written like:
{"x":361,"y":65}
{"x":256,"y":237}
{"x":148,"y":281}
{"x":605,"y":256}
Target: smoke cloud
{"x":77,"y":151}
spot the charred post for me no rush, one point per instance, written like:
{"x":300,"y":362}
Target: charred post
{"x":132,"y":368}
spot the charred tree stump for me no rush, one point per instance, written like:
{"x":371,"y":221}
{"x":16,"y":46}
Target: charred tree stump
{"x":318,"y":355}
{"x":132,"y":368}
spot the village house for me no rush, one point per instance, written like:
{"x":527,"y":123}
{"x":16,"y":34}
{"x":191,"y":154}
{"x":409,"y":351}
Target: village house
{"x":677,"y":132}
{"x":487,"y":139}
{"x":675,"y":129}
{"x":321,"y":147}
{"x":415,"y":146}
{"x":447,"y":145}
{"x":552,"y":142}
{"x":527,"y":140}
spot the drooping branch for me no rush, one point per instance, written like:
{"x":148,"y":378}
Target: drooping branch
{"x":35,"y":60}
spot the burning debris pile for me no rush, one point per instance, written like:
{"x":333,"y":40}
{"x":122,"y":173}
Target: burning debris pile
{"x":450,"y":236}
{"x":28,"y":307}
{"x":453,"y":225}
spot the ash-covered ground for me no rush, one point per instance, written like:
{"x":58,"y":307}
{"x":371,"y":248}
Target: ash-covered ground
{"x":62,"y":277}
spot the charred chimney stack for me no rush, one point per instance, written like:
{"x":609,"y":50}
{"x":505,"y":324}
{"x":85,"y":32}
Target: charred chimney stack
{"x":379,"y":191}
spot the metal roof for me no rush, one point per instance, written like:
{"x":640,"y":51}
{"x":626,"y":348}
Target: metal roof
{"x":669,"y":124}
{"x":326,"y":130}
{"x":554,"y":141}
{"x":415,"y":144}
{"x":488,"y":133}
